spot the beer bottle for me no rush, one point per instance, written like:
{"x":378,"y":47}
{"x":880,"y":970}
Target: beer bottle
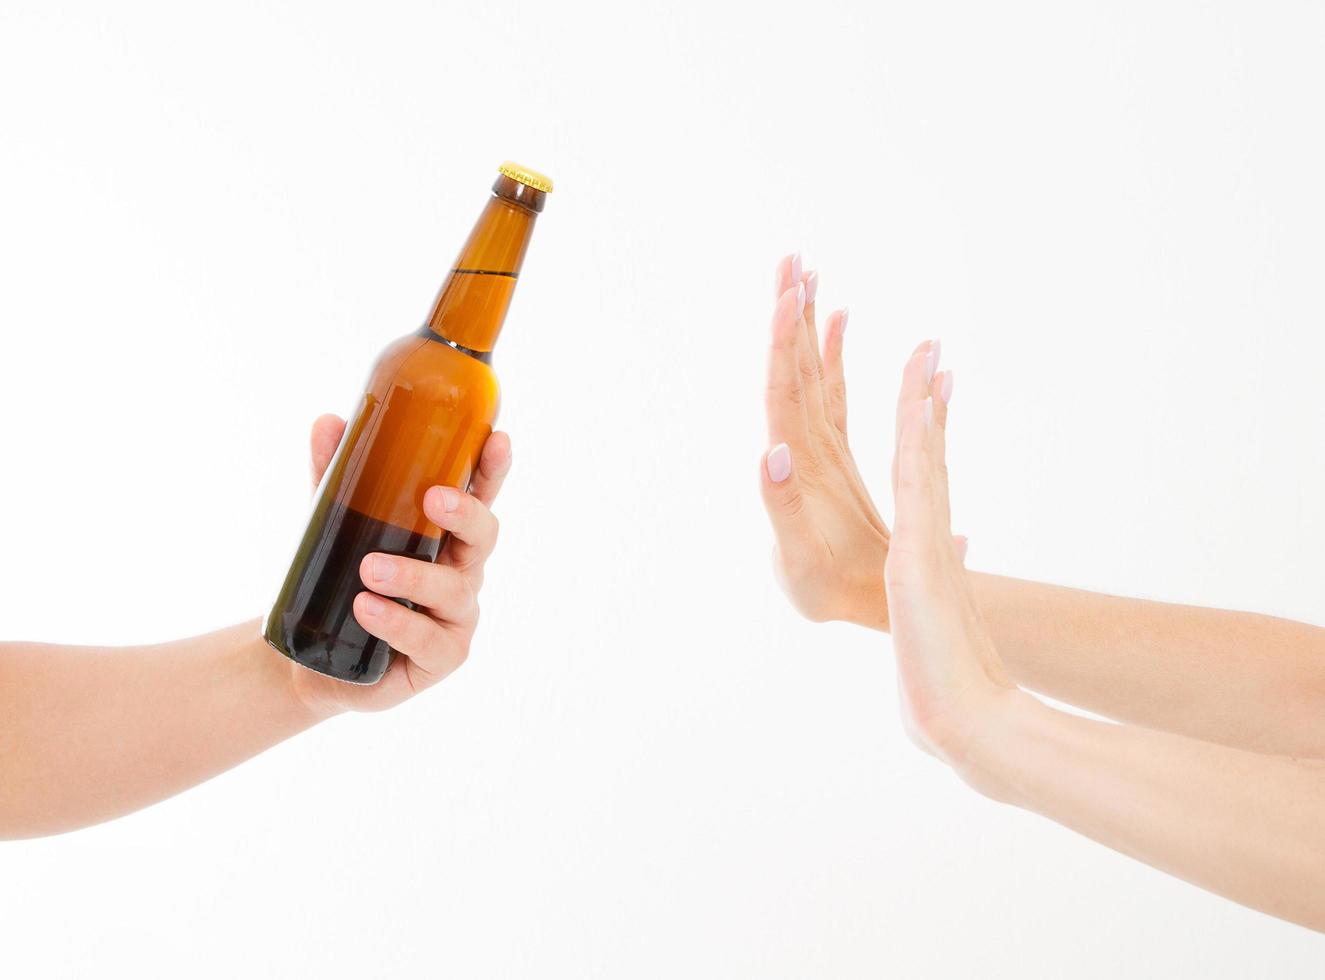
{"x":430,"y":403}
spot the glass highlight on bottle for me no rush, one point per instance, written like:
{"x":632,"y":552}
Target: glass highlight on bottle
{"x":430,"y":403}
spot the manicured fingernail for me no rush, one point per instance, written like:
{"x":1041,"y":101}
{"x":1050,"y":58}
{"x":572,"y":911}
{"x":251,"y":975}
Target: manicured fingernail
{"x":383,"y":568}
{"x":800,"y":299}
{"x":796,"y":267}
{"x":929,"y":412}
{"x":811,"y":286}
{"x":945,"y":387}
{"x":842,"y":321}
{"x":372,"y":605}
{"x":779,"y":462}
{"x":450,"y":499}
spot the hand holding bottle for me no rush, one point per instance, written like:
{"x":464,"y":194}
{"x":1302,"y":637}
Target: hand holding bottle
{"x":433,"y":638}
{"x":428,"y":407}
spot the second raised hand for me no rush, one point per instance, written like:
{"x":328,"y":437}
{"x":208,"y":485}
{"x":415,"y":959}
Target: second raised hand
{"x":950,"y":675}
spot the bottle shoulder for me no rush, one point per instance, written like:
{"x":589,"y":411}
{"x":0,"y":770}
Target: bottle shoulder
{"x":432,"y":368}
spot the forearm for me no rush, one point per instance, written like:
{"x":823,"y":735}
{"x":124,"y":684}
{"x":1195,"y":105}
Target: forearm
{"x":1240,"y":679}
{"x":88,"y":734}
{"x":1242,"y":824}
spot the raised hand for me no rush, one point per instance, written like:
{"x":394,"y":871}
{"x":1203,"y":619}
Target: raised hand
{"x":831,"y":541}
{"x":951,"y":678}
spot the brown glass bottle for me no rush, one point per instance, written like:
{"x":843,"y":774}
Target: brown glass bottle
{"x":430,"y":403}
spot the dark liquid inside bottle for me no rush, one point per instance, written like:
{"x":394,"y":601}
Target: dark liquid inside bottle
{"x":316,"y":625}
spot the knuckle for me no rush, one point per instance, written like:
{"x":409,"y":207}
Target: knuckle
{"x":409,"y":575}
{"x":456,"y":594}
{"x":791,"y":502}
{"x":461,"y":653}
{"x":831,"y":449}
{"x":422,"y":634}
{"x":908,"y":481}
{"x":783,"y":392}
{"x":464,"y":599}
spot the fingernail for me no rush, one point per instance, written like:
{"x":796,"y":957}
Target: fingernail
{"x":800,"y":299}
{"x":929,"y":412}
{"x":945,"y":387}
{"x":796,"y":267}
{"x":811,"y":286}
{"x":842,"y":321}
{"x":779,"y":462}
{"x":383,"y":568}
{"x":450,"y":499}
{"x":372,"y":605}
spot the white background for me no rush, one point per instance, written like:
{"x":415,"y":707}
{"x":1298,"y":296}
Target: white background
{"x":211,"y":221}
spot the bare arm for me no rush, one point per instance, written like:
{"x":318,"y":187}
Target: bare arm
{"x":88,"y":734}
{"x":1240,"y":679}
{"x":1237,"y":678}
{"x":1243,"y":824}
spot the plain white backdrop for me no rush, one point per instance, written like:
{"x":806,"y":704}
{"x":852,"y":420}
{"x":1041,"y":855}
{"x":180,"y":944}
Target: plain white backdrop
{"x":213,"y":217}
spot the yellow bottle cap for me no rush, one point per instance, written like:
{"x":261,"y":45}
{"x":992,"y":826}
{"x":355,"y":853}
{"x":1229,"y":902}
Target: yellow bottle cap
{"x":530,"y":178}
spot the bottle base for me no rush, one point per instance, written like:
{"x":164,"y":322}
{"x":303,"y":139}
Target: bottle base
{"x":341,"y":663}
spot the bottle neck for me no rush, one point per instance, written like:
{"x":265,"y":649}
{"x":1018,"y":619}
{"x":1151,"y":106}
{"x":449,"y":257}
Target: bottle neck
{"x":472,"y":304}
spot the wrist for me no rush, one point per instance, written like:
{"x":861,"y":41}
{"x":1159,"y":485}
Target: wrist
{"x":314,"y":694}
{"x":296,"y":686}
{"x":997,"y":746}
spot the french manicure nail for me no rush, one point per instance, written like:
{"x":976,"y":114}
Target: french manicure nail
{"x":842,"y":321}
{"x":929,"y":412}
{"x":450,"y":499}
{"x":383,"y":568}
{"x":372,"y":605}
{"x":945,"y":388}
{"x":929,"y":368}
{"x":811,"y":286}
{"x":779,"y":462}
{"x":796,"y":267}
{"x":800,"y":299}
